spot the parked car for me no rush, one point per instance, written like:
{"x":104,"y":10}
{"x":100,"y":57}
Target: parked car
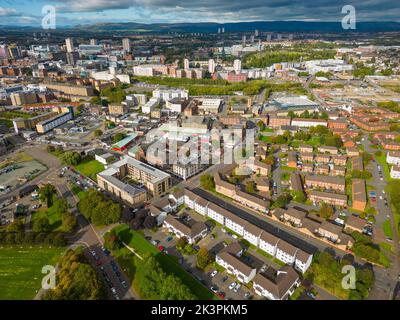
{"x":221,"y":295}
{"x":214,"y":289}
{"x":247,"y":295}
{"x":224,"y":279}
{"x":237,"y":288}
{"x":232,"y":286}
{"x":214,"y":273}
{"x":161,"y":248}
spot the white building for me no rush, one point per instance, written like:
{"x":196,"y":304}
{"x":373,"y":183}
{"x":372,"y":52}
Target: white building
{"x":278,"y":284}
{"x":210,"y":105}
{"x":211,"y":66}
{"x":186,"y":64}
{"x":237,"y":66}
{"x":303,"y":261}
{"x":307,"y":123}
{"x":193,"y":233}
{"x":150,"y":105}
{"x":395,"y":172}
{"x":285,"y":252}
{"x":185,"y":171}
{"x":126,"y":44}
{"x":165,"y":95}
{"x":69,"y":42}
{"x":330,"y":65}
{"x":268,"y":243}
{"x":143,"y":71}
{"x":393,"y":157}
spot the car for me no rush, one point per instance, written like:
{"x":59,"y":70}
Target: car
{"x":118,"y":274}
{"x":386,"y":204}
{"x":221,"y":295}
{"x":196,"y":248}
{"x":116,"y":297}
{"x":166,"y":251}
{"x":232,"y":286}
{"x":113,"y":290}
{"x":224,"y":279}
{"x":148,"y":238}
{"x":234,"y":236}
{"x":214,"y":273}
{"x":247,"y":295}
{"x":237,"y":288}
{"x":389,"y":239}
{"x":161,"y":248}
{"x":311,"y":295}
{"x":214,"y":289}
{"x":123,"y":283}
{"x":169,"y":239}
{"x":155,"y":242}
{"x":381,"y":179}
{"x":93,"y":253}
{"x":105,"y":251}
{"x":98,"y":263}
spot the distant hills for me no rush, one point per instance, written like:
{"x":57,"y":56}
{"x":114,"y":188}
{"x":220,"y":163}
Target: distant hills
{"x":209,"y":27}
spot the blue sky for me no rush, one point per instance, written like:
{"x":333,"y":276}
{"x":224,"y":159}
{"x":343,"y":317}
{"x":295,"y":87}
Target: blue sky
{"x":72,"y":12}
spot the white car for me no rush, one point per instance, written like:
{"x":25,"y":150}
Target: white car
{"x":214,"y":273}
{"x":232,"y":286}
{"x":237,"y":288}
{"x":380,"y":198}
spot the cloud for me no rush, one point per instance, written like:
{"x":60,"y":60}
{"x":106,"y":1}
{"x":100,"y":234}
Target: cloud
{"x":10,"y":12}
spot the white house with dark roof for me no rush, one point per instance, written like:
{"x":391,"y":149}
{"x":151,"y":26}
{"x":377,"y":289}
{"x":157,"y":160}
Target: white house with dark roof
{"x":214,"y":213}
{"x":285,"y":252}
{"x":303,"y":261}
{"x":200,"y":206}
{"x":193,"y":232}
{"x":268,"y":243}
{"x":252,"y":234}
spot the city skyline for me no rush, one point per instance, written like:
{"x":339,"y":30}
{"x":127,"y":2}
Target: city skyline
{"x":73,"y":12}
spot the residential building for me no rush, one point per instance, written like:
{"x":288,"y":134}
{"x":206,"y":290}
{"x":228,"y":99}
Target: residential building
{"x":49,"y":124}
{"x":393,"y":157}
{"x":157,"y":182}
{"x":359,"y":194}
{"x":276,"y":285}
{"x":307,"y":123}
{"x":325,"y":182}
{"x":327,"y":149}
{"x":357,"y":164}
{"x":186,"y":171}
{"x":285,"y":252}
{"x":117,"y":109}
{"x":395,"y":172}
{"x":193,"y":232}
{"x":329,"y":198}
{"x":330,"y":231}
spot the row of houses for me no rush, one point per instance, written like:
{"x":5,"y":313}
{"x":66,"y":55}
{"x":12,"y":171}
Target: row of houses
{"x":234,"y":192}
{"x":258,"y":237}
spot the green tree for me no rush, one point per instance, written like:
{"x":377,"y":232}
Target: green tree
{"x":207,"y":182}
{"x":41,"y":225}
{"x":118,"y":137}
{"x":71,"y":158}
{"x":326,"y":211}
{"x":98,"y":133}
{"x":251,"y":187}
{"x":46,"y":194}
{"x":203,"y":258}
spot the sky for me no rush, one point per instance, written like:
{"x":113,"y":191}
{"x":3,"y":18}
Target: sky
{"x":74,"y":12}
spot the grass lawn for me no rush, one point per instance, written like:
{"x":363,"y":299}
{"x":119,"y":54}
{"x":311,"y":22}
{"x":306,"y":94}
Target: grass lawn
{"x":21,"y":270}
{"x":382,"y":161}
{"x":90,"y":168}
{"x":77,"y":191}
{"x":267,"y":139}
{"x":170,"y":264}
{"x":387,"y":229}
{"x":53,"y":216}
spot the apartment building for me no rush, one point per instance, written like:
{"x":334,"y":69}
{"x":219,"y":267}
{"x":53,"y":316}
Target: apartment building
{"x":276,"y":122}
{"x":252,"y":234}
{"x":357,"y":164}
{"x":303,"y":261}
{"x":293,"y":216}
{"x":54,"y":122}
{"x":30,"y":123}
{"x":393,"y":157}
{"x":223,"y":187}
{"x":285,"y":252}
{"x":268,"y":243}
{"x":252,"y":201}
{"x":307,"y":167}
{"x":186,"y":171}
{"x":322,"y":169}
{"x":330,"y":231}
{"x":117,"y":109}
{"x":305,"y":149}
{"x":229,"y":259}
{"x":328,"y":149}
{"x":359,"y":194}
{"x":276,"y":284}
{"x":323,"y":159}
{"x":306,"y":156}
{"x":157,"y":182}
{"x":338,"y":171}
{"x":193,"y":232}
{"x":69,"y":89}
{"x":325,"y":182}
{"x":339,"y":160}
{"x":330,"y":198}
{"x":216,"y":213}
{"x":261,"y":168}
{"x":308,"y":123}
{"x":395,"y":172}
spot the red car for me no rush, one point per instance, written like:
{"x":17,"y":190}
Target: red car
{"x":221,"y":295}
{"x":99,"y":263}
{"x":161,"y":248}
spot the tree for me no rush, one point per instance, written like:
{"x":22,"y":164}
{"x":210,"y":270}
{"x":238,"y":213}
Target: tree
{"x":41,"y":225}
{"x":69,"y":222}
{"x":250,"y":187}
{"x":50,"y":149}
{"x":98,"y":133}
{"x":261,"y":125}
{"x":282,"y":201}
{"x":16,"y":226}
{"x":181,"y":243}
{"x":112,"y":241}
{"x":118,"y":137}
{"x":326,"y":211}
{"x":71,"y":158}
{"x":203,"y":258}
{"x":207,"y":182}
{"x":46,"y":194}
{"x":299,"y":196}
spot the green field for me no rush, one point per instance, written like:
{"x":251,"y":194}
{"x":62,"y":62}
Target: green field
{"x":90,"y":168}
{"x":20,"y":270}
{"x":387,"y":229}
{"x":169,"y":264}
